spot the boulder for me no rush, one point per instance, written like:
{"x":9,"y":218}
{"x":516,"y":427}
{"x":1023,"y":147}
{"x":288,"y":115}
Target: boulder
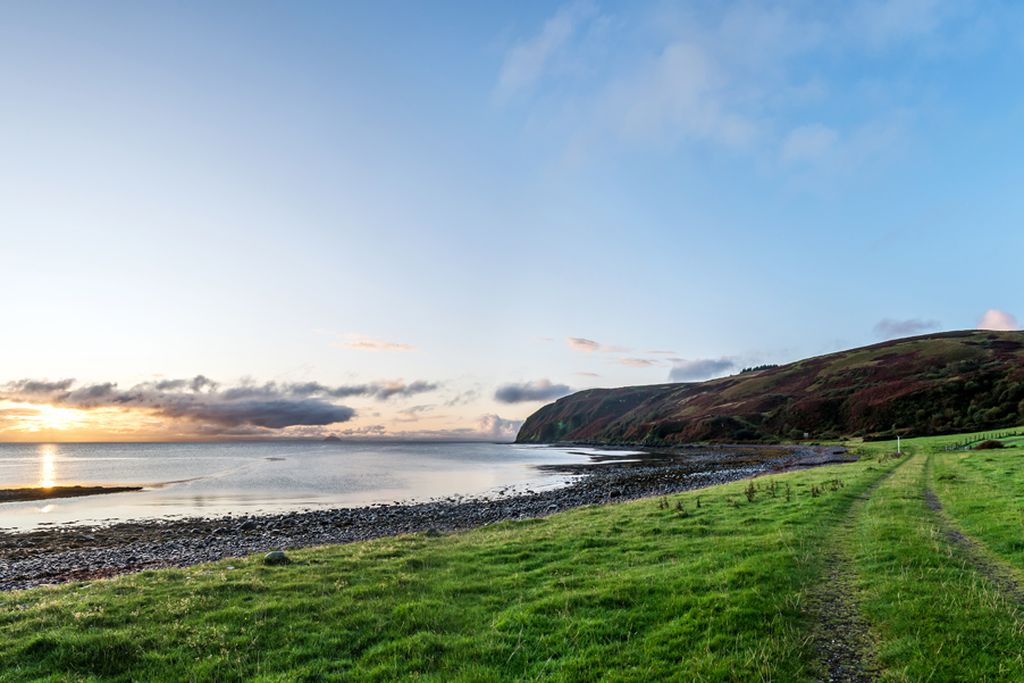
{"x":276,"y":557}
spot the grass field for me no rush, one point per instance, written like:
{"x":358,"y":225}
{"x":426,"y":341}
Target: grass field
{"x":730,"y":583}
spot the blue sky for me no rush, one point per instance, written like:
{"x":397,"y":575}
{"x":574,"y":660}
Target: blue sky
{"x":450,"y":193}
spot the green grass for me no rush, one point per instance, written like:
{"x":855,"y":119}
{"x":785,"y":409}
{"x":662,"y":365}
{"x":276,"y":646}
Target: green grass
{"x":984,"y":492}
{"x":633,"y":591}
{"x":923,"y":597}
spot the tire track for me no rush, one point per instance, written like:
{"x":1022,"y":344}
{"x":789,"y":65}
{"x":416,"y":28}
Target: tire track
{"x":973,"y":552}
{"x":842,"y":636}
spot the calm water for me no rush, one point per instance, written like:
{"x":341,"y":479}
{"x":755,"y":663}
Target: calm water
{"x":217,"y":479}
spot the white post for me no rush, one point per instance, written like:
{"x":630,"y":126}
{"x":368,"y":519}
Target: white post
{"x":898,"y":451}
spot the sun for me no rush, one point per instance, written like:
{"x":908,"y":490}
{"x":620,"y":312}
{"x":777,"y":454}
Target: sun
{"x":57,"y":419}
{"x":46,"y":418}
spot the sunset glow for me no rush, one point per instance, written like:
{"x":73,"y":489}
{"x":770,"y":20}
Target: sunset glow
{"x":37,"y":423}
{"x":38,"y":420}
{"x":57,"y":419}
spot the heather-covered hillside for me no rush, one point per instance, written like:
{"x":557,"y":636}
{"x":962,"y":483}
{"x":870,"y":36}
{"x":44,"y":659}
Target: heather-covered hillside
{"x":932,"y":384}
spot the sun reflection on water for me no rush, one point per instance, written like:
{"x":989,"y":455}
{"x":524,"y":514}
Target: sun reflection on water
{"x":47,"y":465}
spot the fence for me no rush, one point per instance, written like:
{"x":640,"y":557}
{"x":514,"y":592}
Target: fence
{"x":965,"y":444}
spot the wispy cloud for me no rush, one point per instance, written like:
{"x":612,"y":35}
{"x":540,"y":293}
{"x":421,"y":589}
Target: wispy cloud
{"x":586,"y":374}
{"x":700,"y":369}
{"x":463,"y":398}
{"x":584,"y":345}
{"x":729,"y":74}
{"x":995,"y":319}
{"x":417,"y":409}
{"x":539,"y":390}
{"x":638,"y":362}
{"x":884,"y":24}
{"x":364,"y":431}
{"x":527,"y":61}
{"x":889,"y":328}
{"x":359,"y":342}
{"x":487,"y":427}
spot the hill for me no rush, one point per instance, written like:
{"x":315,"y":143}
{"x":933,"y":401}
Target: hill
{"x":925,"y":385}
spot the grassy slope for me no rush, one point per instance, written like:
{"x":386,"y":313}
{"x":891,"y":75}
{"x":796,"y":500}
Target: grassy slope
{"x":635,"y":591}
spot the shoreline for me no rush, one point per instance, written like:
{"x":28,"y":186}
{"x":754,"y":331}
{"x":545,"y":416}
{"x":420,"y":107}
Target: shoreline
{"x":72,"y":553}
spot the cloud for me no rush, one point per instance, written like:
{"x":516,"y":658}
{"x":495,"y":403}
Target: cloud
{"x":738,"y":75}
{"x":679,"y":95}
{"x":413,"y":413}
{"x":379,"y":390}
{"x":581,"y":344}
{"x":585,"y":345}
{"x":368,"y":430}
{"x":38,"y":391}
{"x":995,"y":319}
{"x":882,"y":24}
{"x":808,"y":143}
{"x":463,"y":398}
{"x":586,"y":374}
{"x":399,"y":388}
{"x":270,"y":413}
{"x":497,"y":427}
{"x":197,"y":383}
{"x":638,"y":362}
{"x":889,"y":328}
{"x":700,"y":369}
{"x":540,"y":390}
{"x":359,"y":342}
{"x":488,"y":427}
{"x":201,"y":401}
{"x":528,"y":60}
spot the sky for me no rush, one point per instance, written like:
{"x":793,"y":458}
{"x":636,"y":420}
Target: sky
{"x":426,"y":220}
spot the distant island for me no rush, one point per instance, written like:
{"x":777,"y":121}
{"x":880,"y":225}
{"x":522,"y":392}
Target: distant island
{"x":331,"y":438}
{"x":926,"y":385}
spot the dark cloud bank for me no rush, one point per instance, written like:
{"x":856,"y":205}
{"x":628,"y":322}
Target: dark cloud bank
{"x":271,"y":405}
{"x":541,"y":390}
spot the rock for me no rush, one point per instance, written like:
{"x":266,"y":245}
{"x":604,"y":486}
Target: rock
{"x":276,"y":557}
{"x":248,"y":525}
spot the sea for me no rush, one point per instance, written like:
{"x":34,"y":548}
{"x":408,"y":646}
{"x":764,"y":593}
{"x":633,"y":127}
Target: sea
{"x":215,"y":479}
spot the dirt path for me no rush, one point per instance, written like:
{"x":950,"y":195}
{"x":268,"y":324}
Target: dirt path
{"x":842,"y":636}
{"x":972,"y":551}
